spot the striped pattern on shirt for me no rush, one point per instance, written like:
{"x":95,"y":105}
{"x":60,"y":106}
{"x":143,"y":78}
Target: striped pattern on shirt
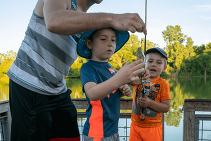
{"x":44,"y":58}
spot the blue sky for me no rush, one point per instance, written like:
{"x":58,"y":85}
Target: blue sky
{"x":193,"y":16}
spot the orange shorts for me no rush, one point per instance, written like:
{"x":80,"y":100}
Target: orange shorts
{"x":138,"y":133}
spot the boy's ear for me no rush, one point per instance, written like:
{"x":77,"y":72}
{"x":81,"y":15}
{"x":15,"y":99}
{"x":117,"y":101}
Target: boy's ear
{"x":164,"y":69}
{"x":165,"y":65}
{"x":88,"y":43}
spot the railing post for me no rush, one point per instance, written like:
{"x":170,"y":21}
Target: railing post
{"x":6,"y":119}
{"x":190,"y":106}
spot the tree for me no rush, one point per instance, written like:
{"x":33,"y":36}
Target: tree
{"x":129,"y":51}
{"x":199,"y":49}
{"x":208,"y":47}
{"x":178,"y":47}
{"x":76,"y":66}
{"x":198,"y":65}
{"x":6,"y":61}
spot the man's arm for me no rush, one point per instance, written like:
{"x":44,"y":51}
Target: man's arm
{"x":60,"y":19}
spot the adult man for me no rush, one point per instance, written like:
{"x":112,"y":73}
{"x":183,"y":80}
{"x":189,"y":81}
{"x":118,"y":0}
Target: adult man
{"x":40,"y":102}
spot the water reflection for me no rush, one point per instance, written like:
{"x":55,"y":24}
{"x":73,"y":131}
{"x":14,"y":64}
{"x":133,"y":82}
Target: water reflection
{"x":181,"y":88}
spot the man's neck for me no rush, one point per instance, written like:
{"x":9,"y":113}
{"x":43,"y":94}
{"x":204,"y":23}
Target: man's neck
{"x":84,"y":5}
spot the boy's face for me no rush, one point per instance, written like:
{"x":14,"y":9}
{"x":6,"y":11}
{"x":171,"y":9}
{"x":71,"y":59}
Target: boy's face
{"x":156,"y":64}
{"x":103,"y":45}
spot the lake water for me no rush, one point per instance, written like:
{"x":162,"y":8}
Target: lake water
{"x":181,"y":88}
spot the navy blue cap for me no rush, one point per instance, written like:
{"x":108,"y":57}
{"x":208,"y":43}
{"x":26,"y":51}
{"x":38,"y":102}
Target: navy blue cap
{"x":158,"y":50}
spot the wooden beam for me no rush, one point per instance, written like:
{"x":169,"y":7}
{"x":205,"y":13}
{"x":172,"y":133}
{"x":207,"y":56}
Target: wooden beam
{"x":197,"y":104}
{"x":81,"y":103}
{"x":4,"y":106}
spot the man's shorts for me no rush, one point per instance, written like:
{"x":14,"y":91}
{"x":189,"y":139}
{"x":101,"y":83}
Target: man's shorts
{"x":145,"y":134}
{"x":37,"y":117}
{"x":114,"y":137}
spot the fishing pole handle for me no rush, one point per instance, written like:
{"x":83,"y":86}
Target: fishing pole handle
{"x":142,"y":117}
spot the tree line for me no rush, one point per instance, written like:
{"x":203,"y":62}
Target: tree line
{"x":184,"y":59}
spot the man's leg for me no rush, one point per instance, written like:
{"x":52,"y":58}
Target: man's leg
{"x":30,"y":120}
{"x":64,"y":120}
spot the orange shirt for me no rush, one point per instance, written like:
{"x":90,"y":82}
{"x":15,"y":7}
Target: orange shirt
{"x":161,"y":94}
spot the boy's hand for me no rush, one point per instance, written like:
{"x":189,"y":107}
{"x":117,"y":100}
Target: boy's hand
{"x":144,"y":101}
{"x":125,"y":89}
{"x":146,"y":75}
{"x":129,"y":72}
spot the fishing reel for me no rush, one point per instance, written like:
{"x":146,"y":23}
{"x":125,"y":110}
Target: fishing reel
{"x":147,"y":87}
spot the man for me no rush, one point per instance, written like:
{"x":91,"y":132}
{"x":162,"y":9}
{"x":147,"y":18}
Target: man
{"x":40,"y":102}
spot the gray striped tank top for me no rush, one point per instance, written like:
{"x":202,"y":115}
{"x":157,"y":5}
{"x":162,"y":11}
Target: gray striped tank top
{"x":44,"y":58}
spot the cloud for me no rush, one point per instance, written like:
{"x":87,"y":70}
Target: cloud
{"x":204,"y":7}
{"x":206,"y":17}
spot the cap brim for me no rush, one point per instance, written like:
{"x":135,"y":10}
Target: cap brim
{"x":83,"y":51}
{"x":162,"y":52}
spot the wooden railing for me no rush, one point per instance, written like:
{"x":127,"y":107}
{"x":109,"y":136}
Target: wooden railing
{"x":190,"y":106}
{"x":5,"y":120}
{"x":125,"y":104}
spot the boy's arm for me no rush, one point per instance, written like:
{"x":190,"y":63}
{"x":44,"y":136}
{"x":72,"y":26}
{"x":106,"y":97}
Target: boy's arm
{"x":99,"y":91}
{"x":162,"y":106}
{"x":125,"y":91}
{"x":127,"y":74}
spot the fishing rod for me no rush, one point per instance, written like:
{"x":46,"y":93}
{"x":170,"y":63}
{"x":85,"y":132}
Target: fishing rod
{"x":145,"y":43}
{"x":147,"y":86}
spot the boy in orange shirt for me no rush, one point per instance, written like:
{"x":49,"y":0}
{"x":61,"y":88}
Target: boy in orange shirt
{"x":157,"y":102}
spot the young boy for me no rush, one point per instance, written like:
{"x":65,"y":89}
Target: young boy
{"x":157,"y":102}
{"x":102,"y":86}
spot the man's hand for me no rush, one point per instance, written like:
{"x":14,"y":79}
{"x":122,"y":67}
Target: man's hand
{"x":128,"y":22}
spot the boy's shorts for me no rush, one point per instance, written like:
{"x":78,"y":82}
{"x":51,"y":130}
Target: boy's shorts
{"x":37,"y":117}
{"x":145,"y":134}
{"x":114,"y":137}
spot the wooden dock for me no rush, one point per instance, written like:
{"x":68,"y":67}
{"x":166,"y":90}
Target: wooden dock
{"x":125,"y":104}
{"x":189,"y":108}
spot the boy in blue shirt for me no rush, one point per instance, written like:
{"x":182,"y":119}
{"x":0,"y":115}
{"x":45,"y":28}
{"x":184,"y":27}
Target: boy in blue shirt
{"x":102,"y":86}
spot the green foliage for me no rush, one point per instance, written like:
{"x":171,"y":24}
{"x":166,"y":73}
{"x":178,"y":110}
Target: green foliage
{"x":6,"y":61}
{"x":208,"y":46}
{"x":76,"y":66}
{"x":129,"y":51}
{"x":197,"y":65}
{"x":199,"y":49}
{"x":183,"y":57}
{"x":179,"y":47}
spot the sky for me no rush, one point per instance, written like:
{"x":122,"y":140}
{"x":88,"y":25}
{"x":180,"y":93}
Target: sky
{"x":193,"y":16}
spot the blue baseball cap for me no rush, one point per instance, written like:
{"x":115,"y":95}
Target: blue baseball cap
{"x":83,"y":51}
{"x":158,"y":50}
